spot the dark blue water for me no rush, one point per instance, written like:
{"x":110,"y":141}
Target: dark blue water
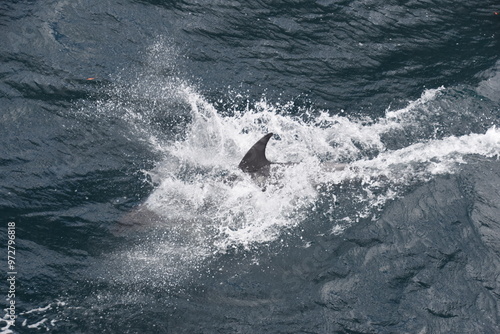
{"x":122,"y":124}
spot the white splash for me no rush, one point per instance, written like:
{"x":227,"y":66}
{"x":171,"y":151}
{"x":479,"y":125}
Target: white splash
{"x":203,"y":203}
{"x":192,"y":186}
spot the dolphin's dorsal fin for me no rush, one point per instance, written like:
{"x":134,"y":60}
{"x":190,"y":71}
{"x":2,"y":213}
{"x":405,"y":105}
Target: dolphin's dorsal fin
{"x":255,"y":158}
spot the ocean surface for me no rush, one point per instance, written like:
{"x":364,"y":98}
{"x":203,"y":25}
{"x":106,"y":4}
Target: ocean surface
{"x":122,"y":124}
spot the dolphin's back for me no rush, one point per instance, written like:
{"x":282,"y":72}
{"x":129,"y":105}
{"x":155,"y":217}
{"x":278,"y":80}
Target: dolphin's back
{"x":255,"y":159}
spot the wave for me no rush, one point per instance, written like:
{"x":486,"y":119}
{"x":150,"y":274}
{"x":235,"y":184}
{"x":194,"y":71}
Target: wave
{"x":202,"y":202}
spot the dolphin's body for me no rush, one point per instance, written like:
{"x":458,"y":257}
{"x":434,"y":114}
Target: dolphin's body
{"x":254,"y":163}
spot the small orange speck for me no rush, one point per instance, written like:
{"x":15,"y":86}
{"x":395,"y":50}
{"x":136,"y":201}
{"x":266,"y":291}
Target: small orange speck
{"x":90,"y":78}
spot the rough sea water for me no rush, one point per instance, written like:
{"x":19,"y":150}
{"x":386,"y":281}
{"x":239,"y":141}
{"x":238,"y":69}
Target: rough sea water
{"x":122,"y":124}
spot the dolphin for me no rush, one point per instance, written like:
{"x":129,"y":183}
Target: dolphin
{"x":255,"y":162}
{"x":257,"y":165}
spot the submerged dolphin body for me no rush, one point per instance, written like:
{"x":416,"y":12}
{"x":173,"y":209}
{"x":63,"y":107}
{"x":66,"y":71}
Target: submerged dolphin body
{"x":254,"y":163}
